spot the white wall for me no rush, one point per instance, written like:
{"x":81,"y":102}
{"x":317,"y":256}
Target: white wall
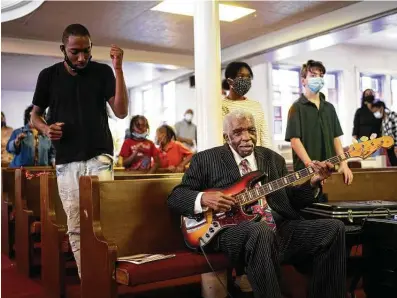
{"x":13,"y":104}
{"x":185,"y":98}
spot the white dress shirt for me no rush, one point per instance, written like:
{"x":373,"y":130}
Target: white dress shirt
{"x":251,"y":163}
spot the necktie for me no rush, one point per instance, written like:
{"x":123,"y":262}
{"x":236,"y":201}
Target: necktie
{"x":263,"y":209}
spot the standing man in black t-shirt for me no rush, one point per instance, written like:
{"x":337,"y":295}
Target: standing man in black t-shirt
{"x":76,"y":91}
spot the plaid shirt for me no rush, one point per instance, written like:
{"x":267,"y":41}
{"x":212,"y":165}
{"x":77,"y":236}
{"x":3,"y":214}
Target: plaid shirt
{"x":389,"y":125}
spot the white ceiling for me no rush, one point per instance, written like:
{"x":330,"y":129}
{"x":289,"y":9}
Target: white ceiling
{"x":386,"y":39}
{"x":26,"y":68}
{"x":133,"y":25}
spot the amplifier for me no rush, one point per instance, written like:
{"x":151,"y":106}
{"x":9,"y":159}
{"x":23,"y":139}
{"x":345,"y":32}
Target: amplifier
{"x":380,"y":257}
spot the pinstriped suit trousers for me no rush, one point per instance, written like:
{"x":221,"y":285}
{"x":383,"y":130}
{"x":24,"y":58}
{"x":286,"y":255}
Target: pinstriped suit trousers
{"x":316,"y":244}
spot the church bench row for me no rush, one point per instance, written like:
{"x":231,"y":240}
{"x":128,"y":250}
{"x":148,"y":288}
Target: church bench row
{"x":363,"y":182}
{"x":144,"y":224}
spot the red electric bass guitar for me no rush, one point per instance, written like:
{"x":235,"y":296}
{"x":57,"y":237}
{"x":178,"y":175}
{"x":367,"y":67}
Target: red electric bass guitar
{"x":202,"y":228}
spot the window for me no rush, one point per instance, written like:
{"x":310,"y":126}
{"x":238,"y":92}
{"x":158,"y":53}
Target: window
{"x":330,"y":89}
{"x":147,"y":97}
{"x":168,"y":106}
{"x":151,"y":110}
{"x":370,"y":81}
{"x":393,"y":105}
{"x":138,"y":102}
{"x":286,"y":89}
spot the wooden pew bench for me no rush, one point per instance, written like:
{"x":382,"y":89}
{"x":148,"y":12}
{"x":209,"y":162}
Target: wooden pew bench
{"x":57,"y":262}
{"x":54,"y":212}
{"x":27,"y":221}
{"x":8,"y":208}
{"x":367,"y":186}
{"x":7,"y":215}
{"x":124,"y":218}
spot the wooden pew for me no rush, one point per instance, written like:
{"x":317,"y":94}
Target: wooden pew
{"x":53,"y":238}
{"x":367,"y":186}
{"x":7,"y":207}
{"x":105,"y":236}
{"x":7,"y":219}
{"x":129,"y":175}
{"x":123,"y":218}
{"x":54,"y":241}
{"x":386,"y":169}
{"x":27,"y":215}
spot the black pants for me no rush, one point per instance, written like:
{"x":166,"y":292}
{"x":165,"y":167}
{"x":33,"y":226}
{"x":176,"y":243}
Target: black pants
{"x":320,"y":243}
{"x":392,"y":157}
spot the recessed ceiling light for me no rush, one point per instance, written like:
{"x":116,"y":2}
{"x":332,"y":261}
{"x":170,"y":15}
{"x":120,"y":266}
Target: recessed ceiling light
{"x":227,"y":13}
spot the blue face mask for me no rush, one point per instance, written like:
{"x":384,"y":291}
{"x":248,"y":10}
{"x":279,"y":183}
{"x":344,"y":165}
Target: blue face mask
{"x":315,"y":84}
{"x":139,"y":135}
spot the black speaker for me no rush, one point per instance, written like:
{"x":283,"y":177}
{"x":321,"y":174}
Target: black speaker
{"x":380,"y":258}
{"x":192,"y":81}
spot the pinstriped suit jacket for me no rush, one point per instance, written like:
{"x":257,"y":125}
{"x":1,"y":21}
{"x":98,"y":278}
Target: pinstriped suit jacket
{"x":217,"y":168}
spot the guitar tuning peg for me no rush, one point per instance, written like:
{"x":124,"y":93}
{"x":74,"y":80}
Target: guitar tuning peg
{"x":373,"y":136}
{"x":364,"y":139}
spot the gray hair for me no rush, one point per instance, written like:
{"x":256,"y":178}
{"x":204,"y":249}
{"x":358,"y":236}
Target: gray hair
{"x":236,"y":114}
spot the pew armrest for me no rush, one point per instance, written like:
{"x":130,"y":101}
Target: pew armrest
{"x":53,"y":233}
{"x":7,"y":242}
{"x":23,"y":242}
{"x":98,"y":265}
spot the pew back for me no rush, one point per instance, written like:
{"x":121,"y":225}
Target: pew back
{"x":55,"y":207}
{"x":129,"y":175}
{"x":134,"y":209}
{"x":8,"y":184}
{"x":366,"y":186}
{"x":52,"y":202}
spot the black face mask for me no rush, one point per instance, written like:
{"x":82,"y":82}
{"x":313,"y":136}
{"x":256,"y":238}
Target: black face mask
{"x":369,"y":98}
{"x":73,"y":67}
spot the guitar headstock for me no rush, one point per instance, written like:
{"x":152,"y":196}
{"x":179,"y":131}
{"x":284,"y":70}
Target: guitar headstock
{"x":367,"y":148}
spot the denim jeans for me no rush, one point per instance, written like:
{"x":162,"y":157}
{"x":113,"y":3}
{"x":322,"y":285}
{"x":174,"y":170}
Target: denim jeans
{"x":68,"y":186}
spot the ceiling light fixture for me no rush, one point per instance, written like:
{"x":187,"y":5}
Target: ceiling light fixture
{"x":15,"y":9}
{"x":227,"y":13}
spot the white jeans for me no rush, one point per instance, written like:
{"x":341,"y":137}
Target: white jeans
{"x":68,"y":186}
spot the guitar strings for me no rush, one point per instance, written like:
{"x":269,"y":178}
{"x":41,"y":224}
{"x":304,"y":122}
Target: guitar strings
{"x":280,"y":183}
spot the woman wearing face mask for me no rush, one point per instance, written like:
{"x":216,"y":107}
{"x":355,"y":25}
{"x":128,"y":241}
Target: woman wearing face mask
{"x":137,"y":151}
{"x":173,"y":155}
{"x":6,"y":132}
{"x":238,"y":76}
{"x":389,"y":126}
{"x":29,"y":146}
{"x":365,"y":124}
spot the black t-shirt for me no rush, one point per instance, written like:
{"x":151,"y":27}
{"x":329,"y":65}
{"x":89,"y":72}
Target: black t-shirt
{"x":80,"y":102}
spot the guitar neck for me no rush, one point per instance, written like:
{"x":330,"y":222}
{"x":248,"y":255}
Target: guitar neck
{"x":255,"y":194}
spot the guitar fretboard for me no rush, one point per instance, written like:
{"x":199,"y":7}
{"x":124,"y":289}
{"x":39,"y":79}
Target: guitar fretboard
{"x":255,"y":194}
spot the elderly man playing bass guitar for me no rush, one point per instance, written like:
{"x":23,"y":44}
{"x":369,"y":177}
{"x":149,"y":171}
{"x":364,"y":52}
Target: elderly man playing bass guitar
{"x":219,"y":196}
